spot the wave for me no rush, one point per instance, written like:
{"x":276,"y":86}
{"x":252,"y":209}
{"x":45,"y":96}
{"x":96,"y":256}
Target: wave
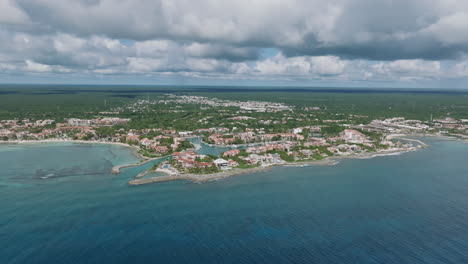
{"x":382,"y":155}
{"x":48,"y":176}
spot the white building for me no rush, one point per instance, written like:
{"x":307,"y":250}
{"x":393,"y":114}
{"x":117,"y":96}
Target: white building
{"x":353,"y":136}
{"x":220,"y":162}
{"x":297,"y":130}
{"x":79,"y":122}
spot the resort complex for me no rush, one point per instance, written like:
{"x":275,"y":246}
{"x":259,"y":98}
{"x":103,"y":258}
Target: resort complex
{"x":255,"y":133}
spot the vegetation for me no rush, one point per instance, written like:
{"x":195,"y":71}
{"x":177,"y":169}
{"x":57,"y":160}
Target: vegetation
{"x":332,"y":130}
{"x":60,"y":102}
{"x":205,"y":170}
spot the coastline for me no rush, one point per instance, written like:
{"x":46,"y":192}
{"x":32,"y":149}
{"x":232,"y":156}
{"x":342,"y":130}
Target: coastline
{"x":447,"y":137}
{"x":115,"y":169}
{"x":171,"y":175}
{"x":200,"y":178}
{"x":70,"y":141}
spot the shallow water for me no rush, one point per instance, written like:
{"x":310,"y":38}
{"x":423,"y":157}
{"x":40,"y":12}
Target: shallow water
{"x":410,"y":208}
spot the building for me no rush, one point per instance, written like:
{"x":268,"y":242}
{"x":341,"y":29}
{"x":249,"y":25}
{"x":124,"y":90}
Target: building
{"x":146,"y":142}
{"x":231,"y":153}
{"x":185,"y":133}
{"x":133,"y":138}
{"x":353,"y":136}
{"x":221,"y":162}
{"x":80,"y":122}
{"x":232,"y":163}
{"x":161,"y":149}
{"x":297,"y":130}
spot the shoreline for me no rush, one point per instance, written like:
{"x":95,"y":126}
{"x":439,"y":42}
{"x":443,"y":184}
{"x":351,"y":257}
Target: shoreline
{"x":200,"y":178}
{"x":70,"y":141}
{"x":170,"y":175}
{"x":115,"y":169}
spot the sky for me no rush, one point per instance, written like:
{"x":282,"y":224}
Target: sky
{"x":356,"y":43}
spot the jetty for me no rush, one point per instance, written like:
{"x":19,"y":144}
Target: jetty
{"x":197,"y":177}
{"x":116,"y":169}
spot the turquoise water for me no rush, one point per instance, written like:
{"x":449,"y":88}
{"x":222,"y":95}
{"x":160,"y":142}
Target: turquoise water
{"x":207,"y":149}
{"x":411,"y":208}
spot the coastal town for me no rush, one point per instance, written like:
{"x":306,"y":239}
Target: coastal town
{"x":256,"y":134}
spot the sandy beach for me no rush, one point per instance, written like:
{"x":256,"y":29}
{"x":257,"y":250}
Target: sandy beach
{"x":69,"y":141}
{"x":115,"y":170}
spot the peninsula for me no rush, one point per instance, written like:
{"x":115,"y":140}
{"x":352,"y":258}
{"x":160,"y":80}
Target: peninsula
{"x":205,"y":138}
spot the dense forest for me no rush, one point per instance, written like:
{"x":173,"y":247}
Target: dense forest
{"x":59,"y":102}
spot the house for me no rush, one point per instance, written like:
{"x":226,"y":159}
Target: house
{"x":79,"y":122}
{"x":232,"y":163}
{"x":315,"y":142}
{"x":113,"y":121}
{"x":133,"y":138}
{"x":291,"y":136}
{"x":146,"y":142}
{"x":231,"y":153}
{"x":297,"y":130}
{"x":220,"y":162}
{"x":185,"y":133}
{"x":353,"y":136}
{"x":161,"y":149}
{"x":246,"y":136}
{"x":204,"y":164}
{"x":220,"y":140}
{"x":188,"y":154}
{"x":187,"y":163}
{"x":249,"y":160}
{"x":306,"y":152}
{"x":204,"y":130}
{"x":334,"y":139}
{"x":256,"y":158}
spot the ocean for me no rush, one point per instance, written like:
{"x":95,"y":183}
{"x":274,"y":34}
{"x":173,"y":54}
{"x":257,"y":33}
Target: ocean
{"x":59,"y":203}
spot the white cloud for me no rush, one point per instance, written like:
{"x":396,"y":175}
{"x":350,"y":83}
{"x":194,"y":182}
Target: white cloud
{"x":37,"y":67}
{"x":10,"y":13}
{"x":451,"y":29}
{"x":408,"y":69}
{"x":314,"y":39}
{"x":301,"y":66}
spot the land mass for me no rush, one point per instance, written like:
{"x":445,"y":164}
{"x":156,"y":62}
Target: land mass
{"x":203,"y":138}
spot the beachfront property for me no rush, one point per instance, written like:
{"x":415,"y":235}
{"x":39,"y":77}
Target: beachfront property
{"x":231,"y":153}
{"x":256,"y":137}
{"x":353,"y":136}
{"x":107,"y":121}
{"x":221,"y":163}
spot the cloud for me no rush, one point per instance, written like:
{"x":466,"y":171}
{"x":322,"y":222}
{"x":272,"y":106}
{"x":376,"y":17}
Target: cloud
{"x":408,"y":69}
{"x":37,"y":67}
{"x":314,"y":39}
{"x":451,"y":30}
{"x":10,"y":13}
{"x":369,"y":29}
{"x":301,"y":66}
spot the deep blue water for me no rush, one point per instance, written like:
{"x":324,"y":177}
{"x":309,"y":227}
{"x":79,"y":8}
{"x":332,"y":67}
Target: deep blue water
{"x":411,"y":208}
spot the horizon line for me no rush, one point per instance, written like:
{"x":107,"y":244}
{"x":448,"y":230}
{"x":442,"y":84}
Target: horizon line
{"x":236,"y":86}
